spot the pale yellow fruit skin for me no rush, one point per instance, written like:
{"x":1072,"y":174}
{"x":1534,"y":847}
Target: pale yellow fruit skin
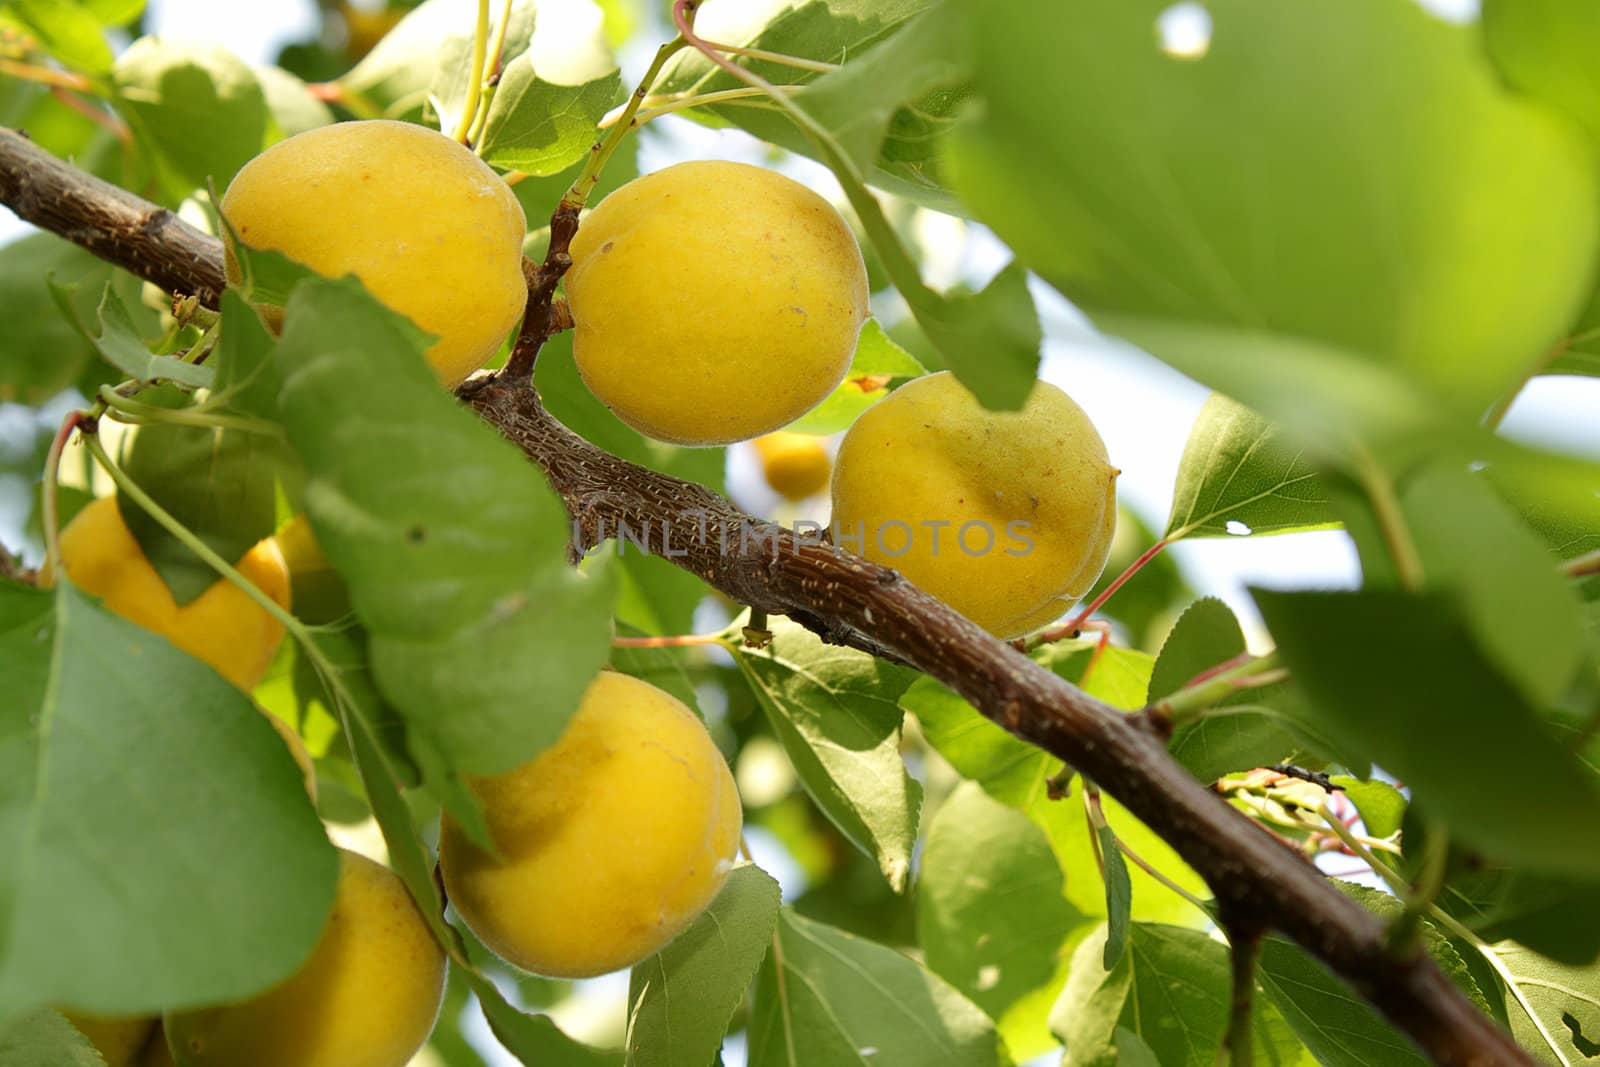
{"x":222,"y":626}
{"x":610,"y":842}
{"x":930,"y":451}
{"x":367,"y":997}
{"x":714,"y":302}
{"x":429,"y":229}
{"x":118,"y":1040}
{"x":795,"y":465}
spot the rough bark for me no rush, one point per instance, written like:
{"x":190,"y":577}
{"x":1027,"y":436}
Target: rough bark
{"x":848,"y":600}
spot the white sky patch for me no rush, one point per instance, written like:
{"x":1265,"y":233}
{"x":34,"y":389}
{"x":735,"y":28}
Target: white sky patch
{"x":1185,"y":30}
{"x":253,"y":32}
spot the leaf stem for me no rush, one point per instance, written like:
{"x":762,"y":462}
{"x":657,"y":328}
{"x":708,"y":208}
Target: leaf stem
{"x":1407,"y":926}
{"x":1391,"y":878}
{"x":1391,"y":519}
{"x":52,"y":476}
{"x":133,"y":411}
{"x":781,"y":58}
{"x":56,"y":79}
{"x":1071,"y":627}
{"x":589,"y":177}
{"x":1583,"y":566}
{"x":1191,"y":701}
{"x":677,"y":641}
{"x":688,"y":101}
{"x":480,"y":46}
{"x":1147,"y":868}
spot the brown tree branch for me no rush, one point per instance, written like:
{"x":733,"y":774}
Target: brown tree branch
{"x":848,"y":600}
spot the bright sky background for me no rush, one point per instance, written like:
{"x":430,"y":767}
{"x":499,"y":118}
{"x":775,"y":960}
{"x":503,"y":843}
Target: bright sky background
{"x":1142,"y":408}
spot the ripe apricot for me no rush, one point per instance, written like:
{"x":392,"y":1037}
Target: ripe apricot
{"x":1005,"y":516}
{"x":367,"y":997}
{"x":609,"y":842}
{"x":796,"y":465}
{"x":117,"y":1040}
{"x":222,"y":626}
{"x":714,"y":302}
{"x":429,"y":229}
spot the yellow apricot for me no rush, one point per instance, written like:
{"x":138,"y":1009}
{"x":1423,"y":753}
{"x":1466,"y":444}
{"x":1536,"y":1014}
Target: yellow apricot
{"x":320,"y":594}
{"x":1005,"y":516}
{"x":609,"y":842}
{"x":117,"y":1040}
{"x":714,"y":302}
{"x":367,"y":997}
{"x":429,"y":229}
{"x":222,"y":626}
{"x":796,"y":465}
{"x":156,"y":1053}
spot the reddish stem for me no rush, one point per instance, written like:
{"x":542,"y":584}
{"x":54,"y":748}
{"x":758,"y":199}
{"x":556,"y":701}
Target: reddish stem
{"x":678,"y":641}
{"x":1072,"y":626}
{"x":1211,"y":672}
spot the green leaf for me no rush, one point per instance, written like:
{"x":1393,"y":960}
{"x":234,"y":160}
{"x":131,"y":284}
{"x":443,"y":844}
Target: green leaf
{"x":1016,"y":773}
{"x":877,"y":359}
{"x":1340,"y":1028}
{"x":1205,"y":636}
{"x":1553,"y":495}
{"x":989,"y":339}
{"x":1534,"y":910}
{"x":656,"y":597}
{"x":540,"y":127}
{"x":67,"y":30}
{"x":453,"y":545}
{"x":1366,"y":117}
{"x":1522,"y":611}
{"x":1132,"y":1050}
{"x":536,"y":1040}
{"x":43,"y":353}
{"x":452,"y":77}
{"x":986,"y":867}
{"x":1553,"y":1008}
{"x":1119,"y":897}
{"x":826,"y":997}
{"x":198,"y":106}
{"x":1382,"y":806}
{"x":119,"y":341}
{"x":173,"y":861}
{"x":1170,"y":990}
{"x":846,"y":32}
{"x":223,"y":485}
{"x":1544,"y":48}
{"x":1239,"y":476}
{"x":681,"y":999}
{"x":290,"y":104}
{"x":44,"y":1038}
{"x":835,"y":711}
{"x":1400,"y":677}
{"x":114,"y":12}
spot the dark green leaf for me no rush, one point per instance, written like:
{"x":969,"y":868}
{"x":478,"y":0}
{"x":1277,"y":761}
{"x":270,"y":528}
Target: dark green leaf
{"x":197,"y":105}
{"x":44,"y":1039}
{"x":1554,"y":495}
{"x":1119,"y":897}
{"x":835,"y":711}
{"x":1132,"y":1050}
{"x":1401,"y":677}
{"x":535,"y":1039}
{"x":877,"y":358}
{"x":1340,"y":1028}
{"x":680,"y":999}
{"x":1239,"y":476}
{"x":453,"y":545}
{"x":43,"y":354}
{"x":988,"y":868}
{"x":1246,"y":202}
{"x":1533,"y":910}
{"x":222,"y":485}
{"x":173,"y":861}
{"x":989,"y":339}
{"x":66,"y":30}
{"x":825,"y":997}
{"x":540,"y":127}
{"x":656,"y":597}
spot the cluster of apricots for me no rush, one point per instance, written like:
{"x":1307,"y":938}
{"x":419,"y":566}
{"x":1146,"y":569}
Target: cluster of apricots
{"x":712,"y":303}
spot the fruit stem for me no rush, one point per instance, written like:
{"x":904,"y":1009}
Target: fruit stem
{"x":480,"y":47}
{"x":691,"y":100}
{"x":133,"y":411}
{"x":52,"y":475}
{"x":56,"y":79}
{"x":1407,"y":926}
{"x":676,"y":641}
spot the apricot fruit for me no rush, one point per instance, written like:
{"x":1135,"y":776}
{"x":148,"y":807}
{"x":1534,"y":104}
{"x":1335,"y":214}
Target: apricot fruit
{"x":714,"y":302}
{"x":425,"y":225}
{"x":609,"y":842}
{"x":367,"y":996}
{"x":795,"y":465}
{"x":117,"y":1040}
{"x":1005,"y":516}
{"x":222,"y":626}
